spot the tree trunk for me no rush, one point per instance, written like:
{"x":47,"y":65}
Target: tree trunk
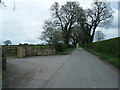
{"x":92,"y":37}
{"x":75,"y":44}
{"x":66,"y":38}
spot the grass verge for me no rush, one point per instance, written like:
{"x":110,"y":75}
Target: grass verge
{"x":111,"y":59}
{"x":65,"y":51}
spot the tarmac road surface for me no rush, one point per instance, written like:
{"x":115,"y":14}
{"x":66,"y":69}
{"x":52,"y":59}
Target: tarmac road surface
{"x":81,"y":69}
{"x":32,"y":72}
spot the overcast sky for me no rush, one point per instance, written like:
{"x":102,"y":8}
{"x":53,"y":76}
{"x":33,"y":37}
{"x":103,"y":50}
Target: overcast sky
{"x":24,"y":24}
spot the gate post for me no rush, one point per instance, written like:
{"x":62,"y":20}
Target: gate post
{"x":21,"y":52}
{"x":3,"y":50}
{"x":0,"y":67}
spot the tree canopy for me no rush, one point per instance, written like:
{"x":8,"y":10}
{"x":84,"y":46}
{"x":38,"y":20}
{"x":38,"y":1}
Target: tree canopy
{"x":70,"y":23}
{"x":7,"y":42}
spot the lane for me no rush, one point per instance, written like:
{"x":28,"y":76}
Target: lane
{"x":84,"y":70}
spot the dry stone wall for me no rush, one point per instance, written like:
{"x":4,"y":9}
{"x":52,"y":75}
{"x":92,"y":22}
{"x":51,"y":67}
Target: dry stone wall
{"x":28,"y":50}
{"x":44,"y":52}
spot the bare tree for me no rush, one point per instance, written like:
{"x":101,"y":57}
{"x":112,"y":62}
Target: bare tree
{"x":66,"y":17}
{"x":72,"y":23}
{"x":99,"y":35}
{"x":101,"y":14}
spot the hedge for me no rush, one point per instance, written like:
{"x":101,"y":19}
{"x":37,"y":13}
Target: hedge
{"x":61,"y":47}
{"x":109,"y":47}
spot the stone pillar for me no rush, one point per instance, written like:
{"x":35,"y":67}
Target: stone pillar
{"x":21,"y":52}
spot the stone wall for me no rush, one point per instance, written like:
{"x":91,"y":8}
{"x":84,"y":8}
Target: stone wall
{"x":28,"y":50}
{"x":44,"y":52}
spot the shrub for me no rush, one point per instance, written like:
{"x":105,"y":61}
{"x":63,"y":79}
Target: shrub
{"x":61,"y":47}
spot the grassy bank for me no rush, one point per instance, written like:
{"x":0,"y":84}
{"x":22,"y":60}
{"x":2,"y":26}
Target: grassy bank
{"x":107,"y":49}
{"x":113,"y":60}
{"x":65,"y":51}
